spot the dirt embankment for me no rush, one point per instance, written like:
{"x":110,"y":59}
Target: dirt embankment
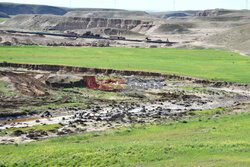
{"x":74,"y":69}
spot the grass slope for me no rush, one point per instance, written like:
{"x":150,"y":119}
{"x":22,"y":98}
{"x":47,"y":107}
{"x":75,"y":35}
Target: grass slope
{"x":200,"y":141}
{"x":210,"y":64}
{"x":3,"y":19}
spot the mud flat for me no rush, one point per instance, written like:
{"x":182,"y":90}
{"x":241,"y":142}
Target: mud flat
{"x":30,"y":107}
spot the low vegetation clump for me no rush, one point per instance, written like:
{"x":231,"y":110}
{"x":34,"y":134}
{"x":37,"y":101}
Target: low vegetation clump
{"x":36,"y":127}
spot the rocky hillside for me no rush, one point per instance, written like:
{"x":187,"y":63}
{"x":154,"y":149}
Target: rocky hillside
{"x":111,"y":14}
{"x":214,"y":12}
{"x":3,"y":15}
{"x":223,"y":13}
{"x":225,"y":16}
{"x":111,"y":32}
{"x":62,"y":23}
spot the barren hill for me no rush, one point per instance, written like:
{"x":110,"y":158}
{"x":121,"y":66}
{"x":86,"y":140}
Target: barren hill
{"x":224,"y":15}
{"x":14,"y":9}
{"x":3,"y":15}
{"x":237,"y":38}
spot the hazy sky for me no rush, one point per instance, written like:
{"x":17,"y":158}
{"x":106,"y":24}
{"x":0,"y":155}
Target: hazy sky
{"x":163,"y":5}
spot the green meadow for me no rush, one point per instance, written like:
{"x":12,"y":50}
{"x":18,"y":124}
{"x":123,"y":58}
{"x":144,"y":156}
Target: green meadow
{"x":3,"y":19}
{"x":198,"y":139}
{"x":207,"y":64}
{"x":202,"y":140}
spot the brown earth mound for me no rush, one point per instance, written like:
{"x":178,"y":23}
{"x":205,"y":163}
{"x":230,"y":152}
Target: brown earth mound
{"x":66,"y":82}
{"x":26,"y":83}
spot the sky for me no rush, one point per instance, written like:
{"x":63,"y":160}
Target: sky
{"x":148,"y":5}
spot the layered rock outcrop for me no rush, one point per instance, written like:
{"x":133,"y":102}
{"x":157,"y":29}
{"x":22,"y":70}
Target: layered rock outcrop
{"x":62,"y":23}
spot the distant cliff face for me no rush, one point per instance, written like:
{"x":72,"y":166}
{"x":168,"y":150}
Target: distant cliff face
{"x":62,"y":23}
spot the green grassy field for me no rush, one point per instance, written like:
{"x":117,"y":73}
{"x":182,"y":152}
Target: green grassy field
{"x":209,"y":64}
{"x":198,"y":141}
{"x":3,"y":19}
